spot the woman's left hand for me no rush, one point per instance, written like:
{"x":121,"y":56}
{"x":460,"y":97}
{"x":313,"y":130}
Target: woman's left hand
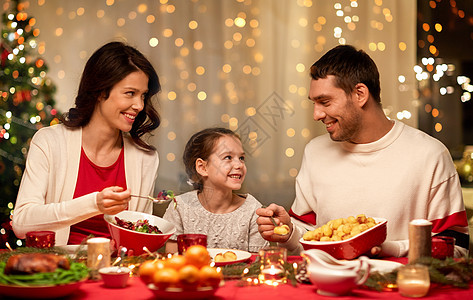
{"x":112,"y":200}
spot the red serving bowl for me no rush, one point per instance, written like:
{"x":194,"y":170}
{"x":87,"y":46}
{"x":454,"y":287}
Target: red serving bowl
{"x":355,"y":246}
{"x":134,"y":240}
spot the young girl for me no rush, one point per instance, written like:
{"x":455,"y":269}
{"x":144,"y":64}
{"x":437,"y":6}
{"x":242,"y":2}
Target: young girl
{"x":215,"y":163}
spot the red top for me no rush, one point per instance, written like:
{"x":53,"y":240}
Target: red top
{"x":93,"y":178}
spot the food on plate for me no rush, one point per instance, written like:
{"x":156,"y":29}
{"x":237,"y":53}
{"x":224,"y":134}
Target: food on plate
{"x":225,"y":257}
{"x":281,"y":229}
{"x":140,"y":226}
{"x":31,"y":263}
{"x":45,"y":269}
{"x":181,"y":271}
{"x":340,"y":229}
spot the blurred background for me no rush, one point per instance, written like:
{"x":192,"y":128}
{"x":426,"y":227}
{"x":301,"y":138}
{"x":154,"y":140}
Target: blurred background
{"x":240,"y":64}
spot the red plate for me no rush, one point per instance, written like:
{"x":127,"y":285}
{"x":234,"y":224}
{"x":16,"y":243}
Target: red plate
{"x":354,"y":246}
{"x":39,"y":292}
{"x":177,"y":293}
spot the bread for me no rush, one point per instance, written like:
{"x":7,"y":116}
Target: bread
{"x":225,"y":257}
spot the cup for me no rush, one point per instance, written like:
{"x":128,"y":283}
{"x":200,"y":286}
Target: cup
{"x":115,"y":277}
{"x":272,"y":265}
{"x":413,"y":280}
{"x":98,"y":255}
{"x":40,"y":239}
{"x":184,"y":241}
{"x":442,"y":246}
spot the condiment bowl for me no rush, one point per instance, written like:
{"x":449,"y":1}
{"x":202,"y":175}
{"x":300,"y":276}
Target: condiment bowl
{"x":115,"y":277}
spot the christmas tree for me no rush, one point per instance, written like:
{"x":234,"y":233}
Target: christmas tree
{"x":26,"y":104}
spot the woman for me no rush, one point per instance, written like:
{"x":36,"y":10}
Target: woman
{"x":91,"y":163}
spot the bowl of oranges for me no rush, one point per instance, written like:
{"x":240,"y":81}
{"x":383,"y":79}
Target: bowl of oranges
{"x":186,"y":276}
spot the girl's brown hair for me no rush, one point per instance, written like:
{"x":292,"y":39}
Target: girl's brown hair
{"x":201,"y":145}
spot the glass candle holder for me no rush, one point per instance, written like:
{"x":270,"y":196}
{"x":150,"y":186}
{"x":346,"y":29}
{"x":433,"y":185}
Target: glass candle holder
{"x":442,"y":246}
{"x":272,"y":265}
{"x":184,"y":241}
{"x":413,"y":280}
{"x":40,"y":239}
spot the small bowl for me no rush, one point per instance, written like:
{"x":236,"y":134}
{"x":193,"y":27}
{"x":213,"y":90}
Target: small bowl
{"x":134,"y":240}
{"x":115,"y":277}
{"x":355,"y":246}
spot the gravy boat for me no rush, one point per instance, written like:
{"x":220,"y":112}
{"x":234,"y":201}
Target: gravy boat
{"x":334,"y":277}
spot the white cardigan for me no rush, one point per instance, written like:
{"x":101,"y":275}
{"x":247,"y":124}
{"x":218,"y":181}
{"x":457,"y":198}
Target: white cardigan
{"x":45,"y":199}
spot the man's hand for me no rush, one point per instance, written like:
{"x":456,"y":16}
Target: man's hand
{"x":112,"y":200}
{"x":266,"y":226}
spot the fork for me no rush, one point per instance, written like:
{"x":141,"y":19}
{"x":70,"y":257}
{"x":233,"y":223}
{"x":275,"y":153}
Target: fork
{"x":155,"y":200}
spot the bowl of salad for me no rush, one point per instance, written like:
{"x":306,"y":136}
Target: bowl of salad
{"x":135,"y":230}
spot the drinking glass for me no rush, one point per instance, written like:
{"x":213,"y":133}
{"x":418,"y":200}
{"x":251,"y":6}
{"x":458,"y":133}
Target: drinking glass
{"x":184,"y":241}
{"x":40,"y":239}
{"x":442,"y":246}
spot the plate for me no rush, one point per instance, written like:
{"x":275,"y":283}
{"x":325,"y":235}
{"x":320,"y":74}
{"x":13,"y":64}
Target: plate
{"x":177,"y":293}
{"x":40,"y":292}
{"x":383,"y":266}
{"x":73,"y":250}
{"x":241,"y":256}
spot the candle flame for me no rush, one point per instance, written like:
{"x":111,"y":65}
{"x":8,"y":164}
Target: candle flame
{"x":8,"y":246}
{"x":117,"y":261}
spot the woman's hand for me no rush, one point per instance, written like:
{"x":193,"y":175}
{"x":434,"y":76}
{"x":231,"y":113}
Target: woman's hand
{"x":266,"y":226}
{"x":112,"y":200}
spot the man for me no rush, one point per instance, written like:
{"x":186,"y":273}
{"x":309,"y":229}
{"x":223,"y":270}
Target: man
{"x":368,"y":164}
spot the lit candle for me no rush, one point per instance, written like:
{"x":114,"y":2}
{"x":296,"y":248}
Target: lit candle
{"x":98,"y":254}
{"x":420,"y":239}
{"x":272,"y":265}
{"x":413,"y":280}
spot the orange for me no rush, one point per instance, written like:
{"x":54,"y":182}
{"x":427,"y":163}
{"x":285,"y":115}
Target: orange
{"x":176,"y":262}
{"x":197,"y":255}
{"x":189,"y":276}
{"x":209,"y":276}
{"x":147,"y":270}
{"x":165,"y":277}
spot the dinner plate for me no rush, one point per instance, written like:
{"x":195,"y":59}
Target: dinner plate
{"x":241,"y":256}
{"x":181,"y":294}
{"x":383,"y":266}
{"x":40,"y":292}
{"x":73,"y":250}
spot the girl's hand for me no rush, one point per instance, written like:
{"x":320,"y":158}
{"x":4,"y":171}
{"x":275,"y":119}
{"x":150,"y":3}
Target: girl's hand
{"x":112,"y":200}
{"x":266,"y":226}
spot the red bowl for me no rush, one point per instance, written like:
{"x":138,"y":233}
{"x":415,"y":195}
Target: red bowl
{"x":355,"y":246}
{"x":134,"y":240}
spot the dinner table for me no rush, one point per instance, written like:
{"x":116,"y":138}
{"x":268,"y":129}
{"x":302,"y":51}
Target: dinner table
{"x":235,"y":289}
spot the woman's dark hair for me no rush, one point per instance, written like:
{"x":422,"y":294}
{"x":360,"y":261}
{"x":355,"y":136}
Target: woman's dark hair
{"x":201,"y":145}
{"x":350,"y":67}
{"x":106,"y":67}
